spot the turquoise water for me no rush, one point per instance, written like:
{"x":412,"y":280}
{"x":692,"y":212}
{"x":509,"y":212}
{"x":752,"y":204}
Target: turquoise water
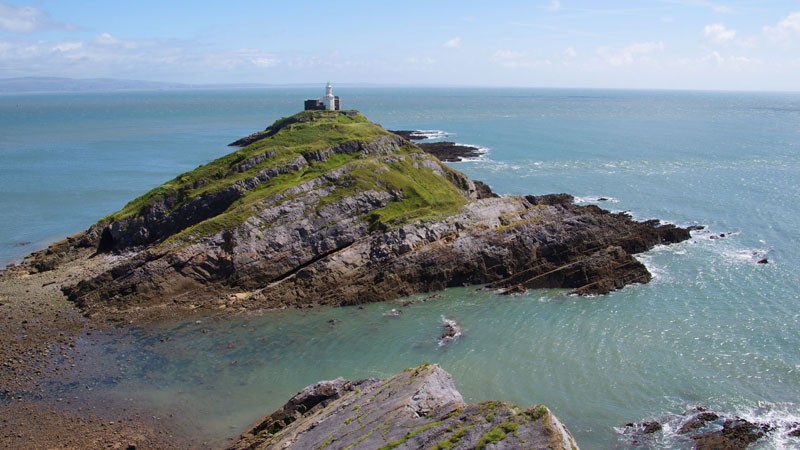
{"x":714,"y":327}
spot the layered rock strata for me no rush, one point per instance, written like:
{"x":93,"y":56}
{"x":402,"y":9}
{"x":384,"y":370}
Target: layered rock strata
{"x":417,"y":409}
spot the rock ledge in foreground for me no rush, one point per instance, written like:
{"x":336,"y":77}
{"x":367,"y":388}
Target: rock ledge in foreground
{"x":418,"y":408}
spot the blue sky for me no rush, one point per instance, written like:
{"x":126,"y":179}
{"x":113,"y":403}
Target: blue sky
{"x":662,"y":44}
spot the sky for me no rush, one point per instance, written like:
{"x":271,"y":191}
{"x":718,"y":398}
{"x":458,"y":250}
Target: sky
{"x":637,"y":44}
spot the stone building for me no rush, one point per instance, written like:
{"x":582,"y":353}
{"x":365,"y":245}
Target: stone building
{"x":329,"y":102}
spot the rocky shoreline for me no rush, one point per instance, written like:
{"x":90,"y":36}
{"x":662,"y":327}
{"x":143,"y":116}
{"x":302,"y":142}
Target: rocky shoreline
{"x":39,"y":330}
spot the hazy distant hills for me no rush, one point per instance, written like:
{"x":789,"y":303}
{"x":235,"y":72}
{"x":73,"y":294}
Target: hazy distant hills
{"x":58,"y":84}
{"x":23,"y":85}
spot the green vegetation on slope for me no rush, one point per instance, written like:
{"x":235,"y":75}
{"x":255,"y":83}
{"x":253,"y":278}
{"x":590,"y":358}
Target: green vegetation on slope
{"x":423,"y":193}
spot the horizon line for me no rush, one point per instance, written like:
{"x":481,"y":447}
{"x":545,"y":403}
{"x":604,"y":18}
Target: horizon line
{"x":151,"y":85}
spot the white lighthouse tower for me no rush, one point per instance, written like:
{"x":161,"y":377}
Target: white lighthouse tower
{"x":329,"y":100}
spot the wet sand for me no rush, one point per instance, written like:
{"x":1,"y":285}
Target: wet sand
{"x":38,"y":329}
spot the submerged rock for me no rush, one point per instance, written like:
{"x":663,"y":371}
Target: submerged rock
{"x":707,"y":430}
{"x":325,"y":207}
{"x":417,"y":409}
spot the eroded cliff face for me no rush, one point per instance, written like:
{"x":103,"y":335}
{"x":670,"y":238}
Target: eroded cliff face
{"x":417,"y":409}
{"x":328,"y":208}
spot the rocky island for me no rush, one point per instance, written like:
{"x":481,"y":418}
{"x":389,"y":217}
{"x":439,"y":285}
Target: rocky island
{"x":327,"y":208}
{"x":321,"y":208}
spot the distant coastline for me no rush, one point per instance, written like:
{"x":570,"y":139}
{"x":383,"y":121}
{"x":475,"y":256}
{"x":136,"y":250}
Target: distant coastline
{"x":43,"y":85}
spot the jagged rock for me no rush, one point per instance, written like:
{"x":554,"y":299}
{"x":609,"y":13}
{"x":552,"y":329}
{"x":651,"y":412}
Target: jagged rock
{"x":450,"y":151}
{"x":706,"y":429}
{"x":697,"y":421}
{"x":736,"y":434}
{"x":651,"y":427}
{"x":417,"y":409}
{"x":450,"y":330}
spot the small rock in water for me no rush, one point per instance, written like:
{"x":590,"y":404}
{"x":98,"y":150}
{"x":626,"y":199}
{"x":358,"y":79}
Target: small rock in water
{"x":394,"y":313}
{"x":763,"y":261}
{"x":450,"y":331}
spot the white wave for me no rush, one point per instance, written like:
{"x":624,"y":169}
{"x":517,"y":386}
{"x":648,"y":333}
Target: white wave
{"x":744,"y":255}
{"x":393,"y":313}
{"x":429,"y":134}
{"x":451,"y":333}
{"x":484,"y":151}
{"x":782,"y":418}
{"x":659,"y":273}
{"x":597,"y":199}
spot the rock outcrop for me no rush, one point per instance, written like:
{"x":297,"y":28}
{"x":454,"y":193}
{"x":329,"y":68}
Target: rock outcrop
{"x":706,"y":430}
{"x":417,"y":409}
{"x":446,"y":151}
{"x":325,"y":207}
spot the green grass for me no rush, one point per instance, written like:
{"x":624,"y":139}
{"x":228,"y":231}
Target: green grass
{"x":539,"y":412}
{"x":410,"y":434}
{"x":496,"y":434}
{"x":454,"y":439}
{"x":303,"y":132}
{"x":423,"y":194}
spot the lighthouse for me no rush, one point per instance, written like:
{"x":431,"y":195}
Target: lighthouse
{"x":329,"y":102}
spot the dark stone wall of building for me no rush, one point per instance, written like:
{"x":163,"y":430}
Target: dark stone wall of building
{"x":317,"y":105}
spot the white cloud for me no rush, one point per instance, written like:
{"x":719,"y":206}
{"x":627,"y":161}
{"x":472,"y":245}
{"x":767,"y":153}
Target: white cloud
{"x":424,"y":61}
{"x":453,"y":43}
{"x":106,"y":39}
{"x":718,"y":33}
{"x":569,"y":52}
{"x":785,"y":29}
{"x":264,"y":61}
{"x":722,"y":9}
{"x":637,"y":52}
{"x":67,"y":46}
{"x":108,"y":56}
{"x":506,"y":55}
{"x":25,"y":19}
{"x":555,"y":5}
{"x":732,"y":62}
{"x":512,"y":59}
{"x":19,"y":18}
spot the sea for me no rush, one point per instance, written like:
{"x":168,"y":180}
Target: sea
{"x":715,"y":328}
